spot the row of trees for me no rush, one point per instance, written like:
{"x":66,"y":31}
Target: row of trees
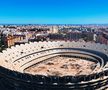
{"x":1,"y":44}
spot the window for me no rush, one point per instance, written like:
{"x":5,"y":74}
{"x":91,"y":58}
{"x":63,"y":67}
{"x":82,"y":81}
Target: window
{"x":6,"y":61}
{"x":42,"y":47}
{"x":22,"y":52}
{"x":61,"y":45}
{"x":84,"y":45}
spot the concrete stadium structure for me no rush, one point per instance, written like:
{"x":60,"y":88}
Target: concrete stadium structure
{"x":14,"y":61}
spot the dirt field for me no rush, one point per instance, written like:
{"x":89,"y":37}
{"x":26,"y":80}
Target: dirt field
{"x":62,"y":66}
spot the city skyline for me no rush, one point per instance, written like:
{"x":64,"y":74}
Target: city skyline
{"x":54,"y":12}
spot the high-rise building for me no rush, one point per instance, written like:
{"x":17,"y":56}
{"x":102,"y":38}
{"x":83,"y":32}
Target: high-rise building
{"x":54,"y":29}
{"x":94,"y":37}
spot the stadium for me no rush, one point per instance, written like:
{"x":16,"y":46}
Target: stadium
{"x":55,"y":65}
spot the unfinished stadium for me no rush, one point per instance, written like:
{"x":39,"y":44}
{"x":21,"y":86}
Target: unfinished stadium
{"x":56,"y":65}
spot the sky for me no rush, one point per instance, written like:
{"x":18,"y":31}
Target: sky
{"x":53,"y":11}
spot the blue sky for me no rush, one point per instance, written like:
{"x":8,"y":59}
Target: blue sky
{"x":54,"y":11}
